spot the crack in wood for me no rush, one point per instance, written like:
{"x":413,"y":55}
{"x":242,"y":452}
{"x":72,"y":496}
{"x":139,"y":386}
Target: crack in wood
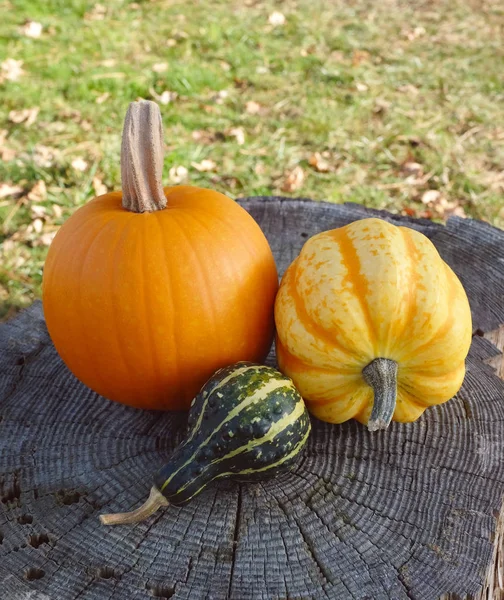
{"x":235,"y":540}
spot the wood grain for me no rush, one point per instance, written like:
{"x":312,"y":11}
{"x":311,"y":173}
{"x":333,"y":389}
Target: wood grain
{"x":410,"y":513}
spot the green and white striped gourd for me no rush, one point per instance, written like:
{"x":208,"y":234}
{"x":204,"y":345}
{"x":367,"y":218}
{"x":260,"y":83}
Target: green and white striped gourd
{"x":248,"y":422}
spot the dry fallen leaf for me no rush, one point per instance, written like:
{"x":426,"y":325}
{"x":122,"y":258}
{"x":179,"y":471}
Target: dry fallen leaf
{"x":6,"y":153}
{"x":260,"y":169}
{"x":413,"y":168}
{"x":79,"y":164}
{"x":38,"y":192}
{"x":178,"y":174}
{"x":102,"y":98}
{"x":220,"y":96}
{"x":165,"y":97}
{"x":171,"y":43}
{"x":57,"y":210}
{"x":238,"y":133}
{"x":11,"y":69}
{"x":205,"y":165}
{"x":28,"y":116}
{"x":38,"y":211}
{"x":38,"y":225}
{"x":361,"y":87}
{"x":253,"y":108}
{"x":97,"y":13}
{"x":319,"y":163}
{"x":276,"y":19}
{"x":108,"y":62}
{"x":10,"y":191}
{"x":431,"y":197}
{"x":98,"y":186}
{"x":438,"y":206}
{"x":409,"y":88}
{"x":414,"y":33}
{"x":202,"y":136}
{"x":160,"y":67}
{"x":294,"y":180}
{"x":46,"y":239}
{"x":32,"y":29}
{"x":44,"y":156}
{"x":360,"y":56}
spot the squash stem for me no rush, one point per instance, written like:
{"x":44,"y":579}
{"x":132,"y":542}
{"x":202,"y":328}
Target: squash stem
{"x":155,"y":501}
{"x":381,"y":375}
{"x":142,"y":156}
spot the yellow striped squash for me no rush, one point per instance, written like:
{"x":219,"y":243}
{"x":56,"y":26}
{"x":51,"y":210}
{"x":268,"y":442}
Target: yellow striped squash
{"x":372,"y":324}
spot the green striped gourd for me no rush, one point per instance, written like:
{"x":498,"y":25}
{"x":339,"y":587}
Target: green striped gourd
{"x":248,"y":422}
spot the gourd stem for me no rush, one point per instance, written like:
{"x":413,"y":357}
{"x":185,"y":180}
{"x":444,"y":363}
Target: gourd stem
{"x":381,"y":375}
{"x":142,"y":158}
{"x":155,"y":501}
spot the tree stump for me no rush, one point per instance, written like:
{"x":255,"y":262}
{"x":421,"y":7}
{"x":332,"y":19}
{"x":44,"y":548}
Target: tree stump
{"x":408,"y":513}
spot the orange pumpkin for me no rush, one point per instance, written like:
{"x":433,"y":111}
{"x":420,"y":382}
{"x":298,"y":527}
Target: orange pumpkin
{"x":148,"y":292}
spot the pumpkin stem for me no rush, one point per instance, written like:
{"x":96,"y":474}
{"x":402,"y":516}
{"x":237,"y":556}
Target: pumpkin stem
{"x":381,"y":375}
{"x":154,"y":501}
{"x":142,"y":158}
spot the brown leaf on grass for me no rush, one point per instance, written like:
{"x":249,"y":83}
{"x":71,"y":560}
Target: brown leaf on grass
{"x":102,"y":98}
{"x":409,"y":89}
{"x":413,"y":34}
{"x":238,"y":133}
{"x":57,"y":211}
{"x":411,"y":168}
{"x":205,"y":165}
{"x":79,"y":164}
{"x":437,"y":205}
{"x":6,"y":153}
{"x":294,"y":180}
{"x":165,"y":97}
{"x":171,"y":43}
{"x":160,"y":67}
{"x":203,"y":137}
{"x":11,"y":70}
{"x":220,"y":96}
{"x":32,"y":29}
{"x":8,"y":190}
{"x":45,"y":239}
{"x":309,"y":50}
{"x":178,"y":174}
{"x":38,"y":191}
{"x":44,"y":156}
{"x":431,"y":197}
{"x":97,"y":13}
{"x":276,"y":19}
{"x":319,"y":163}
{"x":359,"y":57}
{"x":108,"y":62}
{"x":38,"y":225}
{"x":252,"y":107}
{"x":361,"y":87}
{"x":28,"y":116}
{"x":38,"y":211}
{"x":98,"y":186}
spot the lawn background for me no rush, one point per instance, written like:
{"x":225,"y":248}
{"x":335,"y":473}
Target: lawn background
{"x":395,"y":105}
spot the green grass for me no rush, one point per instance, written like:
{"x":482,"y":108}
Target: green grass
{"x":371,"y":86}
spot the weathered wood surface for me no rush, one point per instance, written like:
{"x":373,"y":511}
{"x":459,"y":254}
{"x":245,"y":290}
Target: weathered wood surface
{"x":410,"y":513}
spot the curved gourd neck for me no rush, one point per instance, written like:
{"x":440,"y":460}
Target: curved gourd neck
{"x":155,"y":501}
{"x":142,"y":158}
{"x":381,"y":375}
